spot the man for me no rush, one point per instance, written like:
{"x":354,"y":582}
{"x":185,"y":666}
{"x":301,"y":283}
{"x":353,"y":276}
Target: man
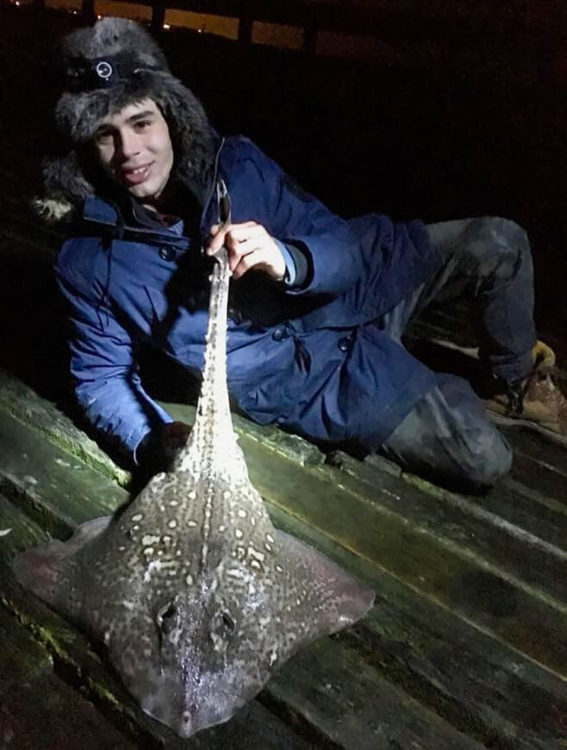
{"x":318,"y":304}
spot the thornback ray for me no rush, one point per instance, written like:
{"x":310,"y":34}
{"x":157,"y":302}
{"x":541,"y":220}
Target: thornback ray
{"x":194,"y":593}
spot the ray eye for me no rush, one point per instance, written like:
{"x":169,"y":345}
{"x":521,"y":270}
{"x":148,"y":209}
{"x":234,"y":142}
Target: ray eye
{"x":165,"y":617}
{"x":228,"y":622}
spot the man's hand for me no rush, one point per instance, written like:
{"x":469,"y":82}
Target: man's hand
{"x":160,"y":447}
{"x":249,"y":246}
{"x":173,"y":438}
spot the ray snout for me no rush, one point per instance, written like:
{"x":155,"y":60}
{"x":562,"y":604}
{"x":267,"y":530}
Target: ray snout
{"x":191,"y":715}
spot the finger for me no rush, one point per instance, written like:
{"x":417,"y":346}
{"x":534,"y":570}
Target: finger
{"x":237,"y":251}
{"x":246,"y":224}
{"x":239,"y":246}
{"x":256,"y":259}
{"x":217,"y":239}
{"x":231,"y":234}
{"x":247,"y":231}
{"x":242,"y":239}
{"x":235,"y":235}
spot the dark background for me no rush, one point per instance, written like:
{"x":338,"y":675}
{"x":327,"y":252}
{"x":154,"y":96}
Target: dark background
{"x":453,"y":118}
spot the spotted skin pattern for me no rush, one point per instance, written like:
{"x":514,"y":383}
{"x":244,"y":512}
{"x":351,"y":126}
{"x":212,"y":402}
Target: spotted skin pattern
{"x":195,"y":594}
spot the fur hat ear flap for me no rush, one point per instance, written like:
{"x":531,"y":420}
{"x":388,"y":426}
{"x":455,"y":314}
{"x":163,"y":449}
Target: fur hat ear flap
{"x":194,"y":141}
{"x":53,"y":210}
{"x":65,"y":187}
{"x":65,"y":174}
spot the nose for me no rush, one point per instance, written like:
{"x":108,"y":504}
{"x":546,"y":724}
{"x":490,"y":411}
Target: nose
{"x":127,"y":143}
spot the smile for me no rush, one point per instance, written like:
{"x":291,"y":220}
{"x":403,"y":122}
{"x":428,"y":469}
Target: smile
{"x":137,"y":175}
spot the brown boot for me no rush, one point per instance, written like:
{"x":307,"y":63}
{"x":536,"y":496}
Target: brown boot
{"x":536,"y":400}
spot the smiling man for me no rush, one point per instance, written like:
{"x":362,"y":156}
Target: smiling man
{"x":134,"y":148}
{"x":318,"y":304}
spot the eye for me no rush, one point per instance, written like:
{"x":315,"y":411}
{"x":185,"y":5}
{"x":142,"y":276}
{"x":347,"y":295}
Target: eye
{"x":165,"y":617}
{"x":103,"y":136}
{"x":228,"y":622}
{"x":142,"y":124}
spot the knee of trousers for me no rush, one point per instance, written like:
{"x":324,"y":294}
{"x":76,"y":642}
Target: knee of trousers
{"x":499,"y":246}
{"x":489,"y":458}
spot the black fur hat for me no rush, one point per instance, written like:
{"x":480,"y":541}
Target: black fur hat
{"x":106,"y":67}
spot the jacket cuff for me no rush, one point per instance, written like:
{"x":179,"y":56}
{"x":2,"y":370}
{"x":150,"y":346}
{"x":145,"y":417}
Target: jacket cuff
{"x":296,"y":264}
{"x":140,"y":448}
{"x":149,"y":444}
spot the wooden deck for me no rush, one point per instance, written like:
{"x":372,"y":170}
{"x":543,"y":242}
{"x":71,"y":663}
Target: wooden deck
{"x":467,"y":643}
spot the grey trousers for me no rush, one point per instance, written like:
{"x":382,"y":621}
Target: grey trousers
{"x":447,"y":436}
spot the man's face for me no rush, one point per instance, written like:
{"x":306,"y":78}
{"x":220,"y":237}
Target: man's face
{"x":134,"y":148}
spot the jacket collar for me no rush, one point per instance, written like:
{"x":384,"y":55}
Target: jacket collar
{"x":104,"y":218}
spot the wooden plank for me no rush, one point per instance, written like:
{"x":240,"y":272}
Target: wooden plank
{"x":49,"y":715}
{"x":539,"y":464}
{"x":538,"y":514}
{"x":415,"y":548}
{"x":484,"y":688}
{"x":57,"y":490}
{"x":17,"y":531}
{"x":492,"y":694}
{"x":354,"y":707}
{"x":21,"y":402}
{"x":466,"y":521}
{"x":22,"y":659}
{"x":536,"y":447}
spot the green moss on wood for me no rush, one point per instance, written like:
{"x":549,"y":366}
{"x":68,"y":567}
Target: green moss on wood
{"x":22,"y":658}
{"x":23,"y":404}
{"x":69,"y":648}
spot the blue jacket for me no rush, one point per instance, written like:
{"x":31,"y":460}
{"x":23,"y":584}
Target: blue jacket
{"x":312,"y":358}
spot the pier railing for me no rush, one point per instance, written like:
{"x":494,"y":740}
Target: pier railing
{"x":389,"y":19}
